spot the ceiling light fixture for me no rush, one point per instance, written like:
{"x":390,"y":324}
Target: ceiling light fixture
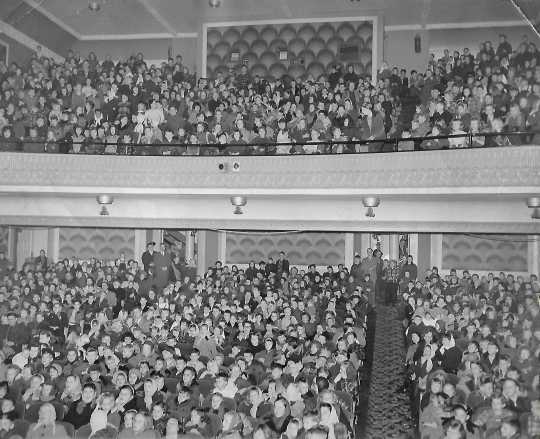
{"x":238,"y":202}
{"x":214,"y":3}
{"x":533,"y":202}
{"x":370,"y":203}
{"x":103,"y":201}
{"x":94,"y":5}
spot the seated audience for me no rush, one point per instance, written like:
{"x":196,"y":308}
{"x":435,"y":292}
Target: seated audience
{"x":88,"y":106}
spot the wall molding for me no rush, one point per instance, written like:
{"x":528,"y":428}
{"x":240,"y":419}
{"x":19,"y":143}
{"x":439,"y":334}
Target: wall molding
{"x":413,"y":227}
{"x":373,"y":18}
{"x":141,"y":36}
{"x":460,"y":25}
{"x":27,"y":41}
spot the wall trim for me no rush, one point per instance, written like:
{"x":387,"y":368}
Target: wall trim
{"x":141,"y":36}
{"x":412,"y":227}
{"x":373,"y":18}
{"x":461,"y":25}
{"x":27,"y":41}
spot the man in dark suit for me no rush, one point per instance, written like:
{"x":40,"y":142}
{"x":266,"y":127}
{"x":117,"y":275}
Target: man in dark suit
{"x":282,"y":264}
{"x":372,"y":128}
{"x":41,"y":261}
{"x":148,"y":256}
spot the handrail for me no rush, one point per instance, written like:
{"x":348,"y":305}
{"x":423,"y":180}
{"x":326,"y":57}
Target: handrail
{"x":269,"y":147}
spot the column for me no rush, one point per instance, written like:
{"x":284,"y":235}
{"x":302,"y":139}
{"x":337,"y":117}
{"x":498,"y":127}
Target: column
{"x":413,"y":246}
{"x":140,"y":244}
{"x":533,"y":257}
{"x":222,"y":247}
{"x":349,"y":250}
{"x":190,"y":246}
{"x":11,"y":251}
{"x":436,"y":250}
{"x":423,"y":259}
{"x":53,"y":244}
{"x":357,"y":244}
{"x":208,"y":250}
{"x":393,"y":246}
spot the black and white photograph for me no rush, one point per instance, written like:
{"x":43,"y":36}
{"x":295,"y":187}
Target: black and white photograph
{"x":269,"y":219}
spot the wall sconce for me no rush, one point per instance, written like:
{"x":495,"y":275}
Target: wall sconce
{"x":103,"y":201}
{"x":370,"y":203}
{"x":534,"y":203}
{"x":238,"y":202}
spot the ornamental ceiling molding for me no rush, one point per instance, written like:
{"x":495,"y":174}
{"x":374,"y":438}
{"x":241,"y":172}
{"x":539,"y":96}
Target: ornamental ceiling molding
{"x":474,"y":169}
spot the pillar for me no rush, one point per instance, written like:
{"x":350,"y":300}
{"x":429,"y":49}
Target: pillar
{"x":190,"y":247}
{"x":349,"y":250}
{"x":436,"y":250}
{"x":533,"y":257}
{"x":53,"y":243}
{"x":222,"y":247}
{"x":357,"y":243}
{"x":413,"y":246}
{"x":208,"y":250}
{"x":393,"y":246}
{"x":139,"y":246}
{"x":423,"y":256}
{"x":11,"y":251}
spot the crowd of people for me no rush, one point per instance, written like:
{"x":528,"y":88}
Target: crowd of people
{"x":88,"y":106}
{"x":473,"y":358}
{"x":100,"y":350}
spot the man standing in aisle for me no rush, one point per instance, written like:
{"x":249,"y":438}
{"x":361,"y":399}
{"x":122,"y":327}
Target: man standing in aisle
{"x":162,"y":266}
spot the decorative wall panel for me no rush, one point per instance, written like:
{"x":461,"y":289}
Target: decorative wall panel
{"x":100,"y":243}
{"x":4,"y":231}
{"x":485,"y":252}
{"x":311,"y":48}
{"x":300,"y":248}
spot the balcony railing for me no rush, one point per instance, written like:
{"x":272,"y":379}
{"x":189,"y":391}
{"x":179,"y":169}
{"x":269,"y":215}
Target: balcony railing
{"x":262,"y":148}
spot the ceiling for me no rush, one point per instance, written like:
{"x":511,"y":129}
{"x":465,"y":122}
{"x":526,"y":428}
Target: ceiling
{"x":170,"y":17}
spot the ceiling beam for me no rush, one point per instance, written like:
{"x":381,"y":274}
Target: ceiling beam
{"x":29,"y":42}
{"x":158,"y":17}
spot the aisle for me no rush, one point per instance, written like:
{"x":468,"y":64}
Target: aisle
{"x":388,"y":412}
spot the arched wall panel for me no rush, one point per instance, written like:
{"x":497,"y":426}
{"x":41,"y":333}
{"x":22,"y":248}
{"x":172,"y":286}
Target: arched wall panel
{"x":321,"y":41}
{"x":301,"y":248}
{"x":100,"y":243}
{"x":485,"y":252}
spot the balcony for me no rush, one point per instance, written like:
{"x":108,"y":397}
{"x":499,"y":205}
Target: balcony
{"x":463,"y":190}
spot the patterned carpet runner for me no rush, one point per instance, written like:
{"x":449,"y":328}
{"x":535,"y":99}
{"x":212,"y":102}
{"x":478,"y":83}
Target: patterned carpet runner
{"x":388,"y":414}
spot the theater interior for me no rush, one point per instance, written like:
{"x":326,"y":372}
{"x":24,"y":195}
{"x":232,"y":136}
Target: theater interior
{"x":269,"y":219}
